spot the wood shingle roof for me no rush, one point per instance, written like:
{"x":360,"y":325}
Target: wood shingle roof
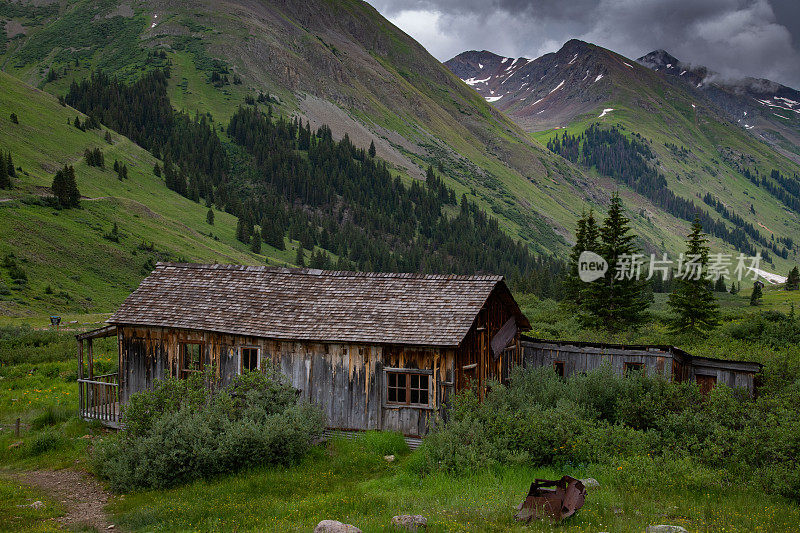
{"x":312,"y":305}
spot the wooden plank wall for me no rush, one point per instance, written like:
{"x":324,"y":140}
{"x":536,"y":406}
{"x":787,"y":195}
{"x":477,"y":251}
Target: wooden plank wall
{"x":345,"y":380}
{"x":581,"y":359}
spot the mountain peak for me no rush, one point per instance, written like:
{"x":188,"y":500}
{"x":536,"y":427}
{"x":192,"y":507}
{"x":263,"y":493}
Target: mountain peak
{"x":658,"y":59}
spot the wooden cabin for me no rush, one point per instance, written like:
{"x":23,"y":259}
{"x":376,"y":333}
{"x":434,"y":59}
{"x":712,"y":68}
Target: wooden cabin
{"x":569,"y":358}
{"x":374,"y":350}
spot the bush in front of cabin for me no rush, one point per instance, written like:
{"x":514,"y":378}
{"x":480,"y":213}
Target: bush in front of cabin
{"x":184,"y":430}
{"x":643,"y":422}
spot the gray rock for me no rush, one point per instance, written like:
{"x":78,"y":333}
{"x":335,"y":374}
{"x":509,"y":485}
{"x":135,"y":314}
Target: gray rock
{"x":665,"y":529}
{"x":388,"y":458}
{"x":411,"y":522}
{"x":332,"y":526}
{"x":590,"y":483}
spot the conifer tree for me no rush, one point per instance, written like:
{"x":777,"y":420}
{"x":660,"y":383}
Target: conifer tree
{"x":255,"y":243}
{"x":65,"y":188}
{"x":5,"y":179}
{"x":719,"y":285}
{"x":692,"y":300}
{"x":793,"y":280}
{"x":157,"y":170}
{"x":10,"y":166}
{"x":586,"y":235}
{"x":615,"y":302}
{"x":755,"y":297}
{"x":210,"y":217}
{"x":14,"y":118}
{"x":372,"y":149}
{"x":300,"y":260}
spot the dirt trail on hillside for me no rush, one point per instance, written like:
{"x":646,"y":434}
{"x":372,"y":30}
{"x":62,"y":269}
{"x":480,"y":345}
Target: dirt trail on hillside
{"x":83,"y":497}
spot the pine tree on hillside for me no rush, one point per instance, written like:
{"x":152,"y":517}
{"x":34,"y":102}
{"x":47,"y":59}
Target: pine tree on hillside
{"x":586,"y":235}
{"x":255,"y":243}
{"x":734,"y":288}
{"x":300,"y":260}
{"x":692,"y":302}
{"x":719,"y":285}
{"x":10,"y":166}
{"x":755,"y":297}
{"x":617,"y":300}
{"x":65,"y":188}
{"x":5,"y":179}
{"x":210,"y":217}
{"x":372,"y":149}
{"x":793,"y":280}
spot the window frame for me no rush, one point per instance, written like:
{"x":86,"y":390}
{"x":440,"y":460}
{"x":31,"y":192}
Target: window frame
{"x":241,"y":358}
{"x":408,"y":372}
{"x":633,"y":366}
{"x":184,"y":372}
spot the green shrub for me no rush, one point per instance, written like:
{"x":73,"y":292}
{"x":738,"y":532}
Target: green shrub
{"x":51,"y":416}
{"x":186,"y":429}
{"x":45,"y":442}
{"x":602,"y":418}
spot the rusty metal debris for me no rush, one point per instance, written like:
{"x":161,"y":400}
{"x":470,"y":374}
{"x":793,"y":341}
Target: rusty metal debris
{"x":563,"y":500}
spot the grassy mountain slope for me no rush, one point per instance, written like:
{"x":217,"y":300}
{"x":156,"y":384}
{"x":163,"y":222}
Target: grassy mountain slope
{"x":65,"y":249}
{"x":600,"y":86}
{"x":333,"y":62}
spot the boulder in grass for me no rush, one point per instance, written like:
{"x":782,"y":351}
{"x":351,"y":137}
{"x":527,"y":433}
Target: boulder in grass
{"x":590,"y":483}
{"x":333,"y":526}
{"x":663,"y":528}
{"x":410,"y":522}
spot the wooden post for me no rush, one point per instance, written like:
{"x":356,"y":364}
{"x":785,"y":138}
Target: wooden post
{"x":16,"y":428}
{"x":90,"y":354}
{"x":80,"y":376}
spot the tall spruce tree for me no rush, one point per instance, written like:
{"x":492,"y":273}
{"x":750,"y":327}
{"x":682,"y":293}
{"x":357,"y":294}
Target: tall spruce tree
{"x":757,"y":294}
{"x":5,"y":179}
{"x":10,"y":166}
{"x":300,"y":260}
{"x":210,"y":217}
{"x":255,"y":243}
{"x":586,"y":235}
{"x":65,"y":188}
{"x":615,"y":302}
{"x":692,"y":301}
{"x":793,"y":280}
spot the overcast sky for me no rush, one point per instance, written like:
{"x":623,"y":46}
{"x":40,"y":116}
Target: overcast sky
{"x":736,"y":38}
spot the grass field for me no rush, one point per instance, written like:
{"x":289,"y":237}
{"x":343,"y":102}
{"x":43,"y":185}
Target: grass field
{"x":70,"y":266}
{"x":350,"y":481}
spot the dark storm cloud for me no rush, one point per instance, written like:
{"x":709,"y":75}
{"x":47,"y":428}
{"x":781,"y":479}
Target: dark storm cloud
{"x":734,"y":37}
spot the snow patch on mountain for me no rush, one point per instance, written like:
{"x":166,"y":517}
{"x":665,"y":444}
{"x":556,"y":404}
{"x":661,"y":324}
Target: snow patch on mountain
{"x":473,"y":81}
{"x":598,"y":78}
{"x":571,"y":61}
{"x":557,"y":87}
{"x":605,"y":112}
{"x":627,"y":64}
{"x":491,"y":99}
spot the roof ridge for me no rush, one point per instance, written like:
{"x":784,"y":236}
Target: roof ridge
{"x":331,"y":273}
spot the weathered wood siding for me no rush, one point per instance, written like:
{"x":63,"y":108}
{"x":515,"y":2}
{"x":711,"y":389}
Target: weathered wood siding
{"x":656,"y":360}
{"x":582,"y":359}
{"x":346,"y":380}
{"x":475,"y":362}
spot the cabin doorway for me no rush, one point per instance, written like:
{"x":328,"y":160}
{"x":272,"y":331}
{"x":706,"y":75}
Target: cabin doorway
{"x":706,"y":384}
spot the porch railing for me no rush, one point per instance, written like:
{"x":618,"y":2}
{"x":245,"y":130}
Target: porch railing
{"x":99,"y":399}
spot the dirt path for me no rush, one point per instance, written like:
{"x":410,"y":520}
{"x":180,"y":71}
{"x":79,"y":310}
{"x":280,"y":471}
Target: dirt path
{"x":83,"y":497}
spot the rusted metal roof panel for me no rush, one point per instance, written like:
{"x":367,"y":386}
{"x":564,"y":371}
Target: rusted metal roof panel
{"x":308,"y":304}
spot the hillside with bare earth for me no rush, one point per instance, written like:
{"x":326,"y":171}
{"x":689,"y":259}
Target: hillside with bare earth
{"x":342,"y":64}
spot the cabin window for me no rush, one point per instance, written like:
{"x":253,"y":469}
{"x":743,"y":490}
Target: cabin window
{"x":191,"y":358}
{"x":629,"y":368}
{"x":558,"y":366}
{"x":249,"y":359}
{"x":408,"y":388}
